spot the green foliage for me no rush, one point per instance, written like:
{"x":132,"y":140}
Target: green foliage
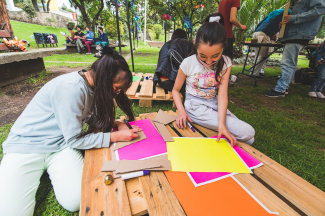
{"x":51,"y":21}
{"x":29,"y":9}
{"x":71,"y":25}
{"x":37,"y":79}
{"x":108,"y":21}
{"x":158,"y":29}
{"x":64,"y":7}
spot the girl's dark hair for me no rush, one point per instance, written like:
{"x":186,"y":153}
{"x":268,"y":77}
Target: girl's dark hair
{"x":212,"y":33}
{"x":100,"y":28}
{"x":78,"y":26}
{"x":110,"y":68}
{"x":70,"y":28}
{"x":221,"y":21}
{"x":179,"y":33}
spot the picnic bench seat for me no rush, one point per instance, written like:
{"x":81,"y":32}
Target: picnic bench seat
{"x":279,"y":189}
{"x":73,"y":47}
{"x":144,"y":91}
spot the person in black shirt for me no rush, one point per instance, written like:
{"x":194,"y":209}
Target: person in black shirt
{"x":78,"y":36}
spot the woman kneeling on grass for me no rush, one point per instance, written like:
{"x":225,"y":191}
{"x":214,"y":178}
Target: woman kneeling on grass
{"x":204,"y":73}
{"x":48,"y":134}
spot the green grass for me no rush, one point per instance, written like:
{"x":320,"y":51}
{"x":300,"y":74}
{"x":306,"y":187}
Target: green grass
{"x":303,"y":63}
{"x":146,"y":55}
{"x":24,"y":30}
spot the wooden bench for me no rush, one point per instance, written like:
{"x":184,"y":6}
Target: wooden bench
{"x":144,"y":91}
{"x":276,"y":187}
{"x":73,"y":47}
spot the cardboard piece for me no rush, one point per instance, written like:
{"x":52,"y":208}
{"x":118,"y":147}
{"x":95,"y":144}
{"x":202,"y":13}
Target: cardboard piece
{"x":204,"y":155}
{"x":285,"y":13}
{"x":164,"y":132}
{"x":137,"y":166}
{"x":153,"y":146}
{"x":164,"y":118}
{"x":136,"y":78}
{"x":224,"y":197}
{"x":202,"y":178}
{"x":125,"y":166}
{"x":119,"y":145}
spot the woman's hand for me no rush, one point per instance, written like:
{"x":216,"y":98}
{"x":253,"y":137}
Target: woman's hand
{"x":181,"y":120}
{"x":319,"y":62}
{"x":124,"y":135}
{"x":223,"y":130}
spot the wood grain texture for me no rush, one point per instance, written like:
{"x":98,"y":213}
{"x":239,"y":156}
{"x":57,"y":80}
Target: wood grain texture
{"x":4,"y":34}
{"x":133,"y":89}
{"x":161,"y":199}
{"x":138,"y":203}
{"x":298,"y":191}
{"x":146,"y":89}
{"x":160,"y":92}
{"x":264,"y":195}
{"x":96,"y":197}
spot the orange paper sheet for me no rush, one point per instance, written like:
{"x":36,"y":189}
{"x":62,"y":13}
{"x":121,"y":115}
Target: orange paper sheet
{"x":224,"y":197}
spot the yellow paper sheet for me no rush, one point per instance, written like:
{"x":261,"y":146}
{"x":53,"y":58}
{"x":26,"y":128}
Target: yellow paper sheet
{"x":204,"y":155}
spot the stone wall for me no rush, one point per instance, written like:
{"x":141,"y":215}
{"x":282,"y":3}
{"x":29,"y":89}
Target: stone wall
{"x":41,"y":19}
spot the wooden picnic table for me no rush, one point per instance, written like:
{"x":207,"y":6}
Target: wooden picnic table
{"x":279,"y":189}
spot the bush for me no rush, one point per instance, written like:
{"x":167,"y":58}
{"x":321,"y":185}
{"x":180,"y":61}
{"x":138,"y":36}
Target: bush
{"x":29,"y":9}
{"x":158,"y":30}
{"x":71,"y":25}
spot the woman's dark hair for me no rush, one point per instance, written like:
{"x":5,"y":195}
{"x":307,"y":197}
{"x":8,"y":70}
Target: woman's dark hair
{"x":100,"y":28}
{"x":70,"y":29}
{"x":179,"y":33}
{"x":221,"y":21}
{"x":110,"y":68}
{"x":212,"y":33}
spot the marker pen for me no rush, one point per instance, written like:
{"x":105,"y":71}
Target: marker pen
{"x":135,"y":174}
{"x":190,"y":126}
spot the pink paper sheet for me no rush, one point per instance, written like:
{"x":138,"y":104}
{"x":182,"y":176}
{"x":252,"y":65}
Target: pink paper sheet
{"x":201,"y":178}
{"x":153,"y":146}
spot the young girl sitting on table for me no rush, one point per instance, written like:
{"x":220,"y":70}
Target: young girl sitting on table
{"x":48,"y":134}
{"x":206,"y":72}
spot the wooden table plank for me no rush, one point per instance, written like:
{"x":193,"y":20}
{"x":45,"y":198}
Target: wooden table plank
{"x":146,"y":89}
{"x":298,"y":191}
{"x":264,"y":195}
{"x":137,"y":200}
{"x":133,"y":89}
{"x":160,"y":197}
{"x":96,"y":197}
{"x":160,"y":92}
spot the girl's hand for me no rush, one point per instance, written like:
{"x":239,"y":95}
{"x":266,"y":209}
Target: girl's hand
{"x":319,"y":62}
{"x":124,"y":135}
{"x":223,"y":130}
{"x":181,"y":120}
{"x":123,"y":126}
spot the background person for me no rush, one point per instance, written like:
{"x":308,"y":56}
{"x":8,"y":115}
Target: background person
{"x":48,"y":135}
{"x":166,"y":71}
{"x":268,"y":29}
{"x":72,"y":36}
{"x":301,"y":26}
{"x":318,"y":85}
{"x":88,"y":38}
{"x":228,"y":9}
{"x":102,"y":38}
{"x":78,"y":36}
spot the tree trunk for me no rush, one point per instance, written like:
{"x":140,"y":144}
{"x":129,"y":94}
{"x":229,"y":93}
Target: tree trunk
{"x":48,"y":5}
{"x":35,"y":5}
{"x":44,"y":9}
{"x":4,"y":18}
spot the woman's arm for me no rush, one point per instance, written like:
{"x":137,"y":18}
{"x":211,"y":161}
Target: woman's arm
{"x":222,"y":108}
{"x":182,"y":115}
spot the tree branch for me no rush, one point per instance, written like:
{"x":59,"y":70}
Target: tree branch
{"x":97,"y":15}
